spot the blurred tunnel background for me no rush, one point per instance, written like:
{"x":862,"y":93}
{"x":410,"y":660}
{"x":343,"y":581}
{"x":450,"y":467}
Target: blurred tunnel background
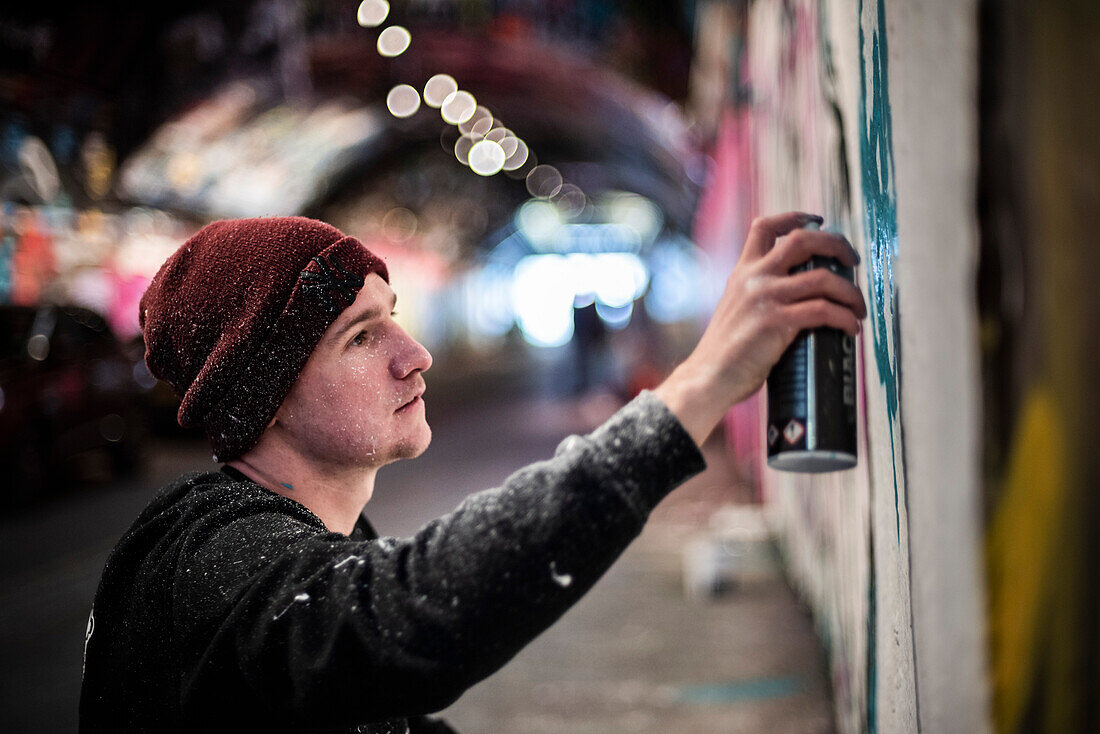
{"x":560,"y":190}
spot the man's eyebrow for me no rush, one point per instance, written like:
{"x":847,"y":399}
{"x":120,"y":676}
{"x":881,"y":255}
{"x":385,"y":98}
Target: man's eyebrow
{"x":369,"y":315}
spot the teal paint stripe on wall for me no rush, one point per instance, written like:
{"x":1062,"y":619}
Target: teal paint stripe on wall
{"x":880,"y":229}
{"x":880,"y":220}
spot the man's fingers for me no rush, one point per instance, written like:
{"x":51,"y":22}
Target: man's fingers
{"x":819,"y":283}
{"x":765,"y":230}
{"x":822,"y":312}
{"x":803,"y":244}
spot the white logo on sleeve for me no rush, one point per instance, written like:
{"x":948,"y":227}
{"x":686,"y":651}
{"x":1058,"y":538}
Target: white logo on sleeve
{"x":87,"y":639}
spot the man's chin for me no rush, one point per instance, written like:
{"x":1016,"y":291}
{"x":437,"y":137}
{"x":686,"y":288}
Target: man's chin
{"x":413,"y":447}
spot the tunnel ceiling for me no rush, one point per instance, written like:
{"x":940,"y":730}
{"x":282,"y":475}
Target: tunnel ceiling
{"x":601,"y":130}
{"x":576,"y":81}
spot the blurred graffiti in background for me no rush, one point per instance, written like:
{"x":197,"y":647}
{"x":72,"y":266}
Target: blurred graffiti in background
{"x":1040,"y":313}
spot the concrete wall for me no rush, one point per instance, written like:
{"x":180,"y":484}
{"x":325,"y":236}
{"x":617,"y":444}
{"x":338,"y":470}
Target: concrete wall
{"x":865,"y":111}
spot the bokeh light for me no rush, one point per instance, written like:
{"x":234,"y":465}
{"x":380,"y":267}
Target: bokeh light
{"x":458,"y":107}
{"x":638,"y":213}
{"x":38,"y":347}
{"x":584,"y":276}
{"x":517,"y":157}
{"x":504,"y":137}
{"x":674,"y":293}
{"x":483,"y":125}
{"x":542,"y":298}
{"x":438,"y":88}
{"x":615,"y":317}
{"x":519,"y":173}
{"x":462,"y":149}
{"x":403,"y":101}
{"x":546,"y":288}
{"x":489,"y":294}
{"x":620,"y":278}
{"x":540,"y":222}
{"x":399,"y":224}
{"x":393,"y":41}
{"x":479,"y":123}
{"x":371,"y":13}
{"x":570,"y":200}
{"x":448,"y":137}
{"x":544,"y":181}
{"x":486,"y":158}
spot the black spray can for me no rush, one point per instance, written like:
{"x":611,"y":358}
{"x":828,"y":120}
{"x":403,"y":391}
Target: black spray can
{"x":812,"y":396}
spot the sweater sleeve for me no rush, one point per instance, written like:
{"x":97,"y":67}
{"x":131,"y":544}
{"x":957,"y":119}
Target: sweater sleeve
{"x":331,"y":630}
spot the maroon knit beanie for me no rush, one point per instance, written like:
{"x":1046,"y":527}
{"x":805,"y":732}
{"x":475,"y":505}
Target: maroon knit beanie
{"x":233,"y":315}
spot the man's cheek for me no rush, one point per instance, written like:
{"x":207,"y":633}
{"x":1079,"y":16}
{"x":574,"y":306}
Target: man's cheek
{"x":365,"y":389}
{"x":342,"y":387}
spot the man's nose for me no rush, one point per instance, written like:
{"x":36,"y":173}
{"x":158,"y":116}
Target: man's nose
{"x":413,"y":357}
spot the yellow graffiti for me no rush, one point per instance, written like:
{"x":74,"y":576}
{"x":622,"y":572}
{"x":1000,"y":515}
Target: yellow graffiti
{"x":1023,"y":550}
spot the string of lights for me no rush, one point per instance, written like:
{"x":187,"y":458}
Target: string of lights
{"x":484,"y":144}
{"x":555,"y":260}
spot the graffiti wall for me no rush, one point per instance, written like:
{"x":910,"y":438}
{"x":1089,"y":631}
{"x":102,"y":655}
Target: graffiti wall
{"x":1039,"y":195}
{"x":865,"y":111}
{"x":825,"y":522}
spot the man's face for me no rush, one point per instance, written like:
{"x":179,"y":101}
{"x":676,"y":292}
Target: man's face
{"x":346,"y":408}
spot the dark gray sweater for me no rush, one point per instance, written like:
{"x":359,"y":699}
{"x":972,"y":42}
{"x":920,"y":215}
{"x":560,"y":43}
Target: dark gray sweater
{"x":228,"y":607}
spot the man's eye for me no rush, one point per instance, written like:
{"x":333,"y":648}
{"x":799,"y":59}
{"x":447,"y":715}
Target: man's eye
{"x":362,"y":335}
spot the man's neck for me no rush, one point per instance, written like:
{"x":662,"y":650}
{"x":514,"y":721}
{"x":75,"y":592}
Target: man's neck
{"x":337,"y":498}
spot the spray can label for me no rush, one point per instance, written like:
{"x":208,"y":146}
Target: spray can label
{"x":812,"y":397}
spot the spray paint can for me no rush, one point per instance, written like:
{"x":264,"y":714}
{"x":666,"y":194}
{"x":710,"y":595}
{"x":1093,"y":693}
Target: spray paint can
{"x":812,"y":396}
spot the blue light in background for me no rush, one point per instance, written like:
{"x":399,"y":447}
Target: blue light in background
{"x":489,"y":301}
{"x":616,"y":317}
{"x":542,"y":296}
{"x":676,"y":289}
{"x":546,"y":288}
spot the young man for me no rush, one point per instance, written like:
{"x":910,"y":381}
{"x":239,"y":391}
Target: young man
{"x":257,"y":597}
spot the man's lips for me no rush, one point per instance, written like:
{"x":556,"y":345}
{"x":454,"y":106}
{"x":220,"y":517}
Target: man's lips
{"x":415,"y":399}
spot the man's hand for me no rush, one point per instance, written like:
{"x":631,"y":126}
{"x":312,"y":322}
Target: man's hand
{"x":759,"y":314}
